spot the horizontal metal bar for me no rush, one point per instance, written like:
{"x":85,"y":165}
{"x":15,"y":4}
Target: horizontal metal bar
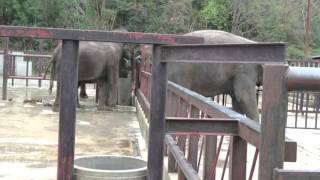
{"x":253,"y":137}
{"x":92,"y":35}
{"x":226,"y":53}
{"x":213,"y":126}
{"x":27,"y":77}
{"x":186,"y":167}
{"x":303,"y":79}
{"x":31,"y":55}
{"x":285,"y":174}
{"x":144,"y":103}
{"x":248,"y":129}
{"x":205,"y":104}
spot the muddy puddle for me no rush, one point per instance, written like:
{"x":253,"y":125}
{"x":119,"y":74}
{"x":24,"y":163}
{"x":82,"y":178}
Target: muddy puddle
{"x":29,"y":132}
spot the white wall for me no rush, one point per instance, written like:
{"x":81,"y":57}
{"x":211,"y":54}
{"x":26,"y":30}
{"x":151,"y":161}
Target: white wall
{"x":1,"y":64}
{"x":21,"y":65}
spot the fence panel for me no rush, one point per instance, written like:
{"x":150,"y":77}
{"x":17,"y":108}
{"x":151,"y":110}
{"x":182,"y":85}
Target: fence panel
{"x":303,"y":107}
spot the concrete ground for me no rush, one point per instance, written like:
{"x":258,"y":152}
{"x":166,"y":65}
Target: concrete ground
{"x":29,"y":132}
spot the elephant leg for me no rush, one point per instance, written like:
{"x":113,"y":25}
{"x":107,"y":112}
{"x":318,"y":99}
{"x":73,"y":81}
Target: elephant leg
{"x":245,"y":97}
{"x":112,"y":88}
{"x":236,"y":106}
{"x":83,"y":93}
{"x":56,"y":103}
{"x":102,"y":93}
{"x":97,"y":93}
{"x":78,"y":101}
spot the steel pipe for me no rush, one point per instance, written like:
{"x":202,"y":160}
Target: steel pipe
{"x":303,"y":79}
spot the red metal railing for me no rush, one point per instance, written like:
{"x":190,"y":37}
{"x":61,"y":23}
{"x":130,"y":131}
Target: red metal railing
{"x":187,"y":148}
{"x":68,"y":91}
{"x":9,"y":66}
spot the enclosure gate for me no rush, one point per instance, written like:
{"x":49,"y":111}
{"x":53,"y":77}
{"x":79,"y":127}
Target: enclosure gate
{"x":70,"y":45}
{"x":209,"y":54}
{"x":9,"y":67}
{"x":271,"y":139}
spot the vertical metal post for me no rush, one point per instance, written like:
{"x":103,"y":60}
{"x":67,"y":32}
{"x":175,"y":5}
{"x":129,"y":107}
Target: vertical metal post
{"x":27,"y":71}
{"x":40,"y":62}
{"x":193,"y":141}
{"x":68,"y":79}
{"x":5,"y":68}
{"x":182,"y":139}
{"x":209,"y":155}
{"x":172,"y":111}
{"x":273,"y":120}
{"x":13,"y":68}
{"x":238,"y":158}
{"x":157,"y":116}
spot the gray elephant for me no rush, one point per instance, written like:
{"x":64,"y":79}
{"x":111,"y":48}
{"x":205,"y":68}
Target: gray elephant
{"x":98,"y":63}
{"x":237,"y":80}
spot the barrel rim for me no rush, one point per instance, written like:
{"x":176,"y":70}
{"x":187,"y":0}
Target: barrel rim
{"x":79,"y":168}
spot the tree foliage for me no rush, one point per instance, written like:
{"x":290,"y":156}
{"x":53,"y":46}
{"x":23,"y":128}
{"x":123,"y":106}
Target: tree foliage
{"x":272,"y":20}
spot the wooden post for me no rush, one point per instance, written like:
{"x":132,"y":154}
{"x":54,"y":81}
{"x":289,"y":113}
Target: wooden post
{"x":273,"y":120}
{"x":157,"y":116}
{"x":67,"y":122}
{"x":5,"y":68}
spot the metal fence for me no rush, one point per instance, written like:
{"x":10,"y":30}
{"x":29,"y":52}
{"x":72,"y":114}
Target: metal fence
{"x":194,"y":123}
{"x":204,"y":118}
{"x":70,"y":44}
{"x":40,"y":61}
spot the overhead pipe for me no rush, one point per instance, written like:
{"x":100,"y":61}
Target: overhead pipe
{"x":303,"y":79}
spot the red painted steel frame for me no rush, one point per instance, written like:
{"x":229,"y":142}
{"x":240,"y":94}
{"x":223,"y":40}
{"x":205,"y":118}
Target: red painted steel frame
{"x":91,"y":35}
{"x":68,"y":88}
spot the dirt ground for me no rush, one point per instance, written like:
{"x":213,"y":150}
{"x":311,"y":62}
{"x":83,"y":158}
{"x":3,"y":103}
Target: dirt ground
{"x":29,"y":132}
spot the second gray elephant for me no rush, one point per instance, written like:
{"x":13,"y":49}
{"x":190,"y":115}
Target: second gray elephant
{"x":237,"y":80}
{"x":98,"y":62}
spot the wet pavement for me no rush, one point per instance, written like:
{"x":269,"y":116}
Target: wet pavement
{"x":29,"y":132}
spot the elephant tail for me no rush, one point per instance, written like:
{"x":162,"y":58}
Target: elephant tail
{"x":52,"y":65}
{"x":53,"y":72}
{"x":47,"y":68}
